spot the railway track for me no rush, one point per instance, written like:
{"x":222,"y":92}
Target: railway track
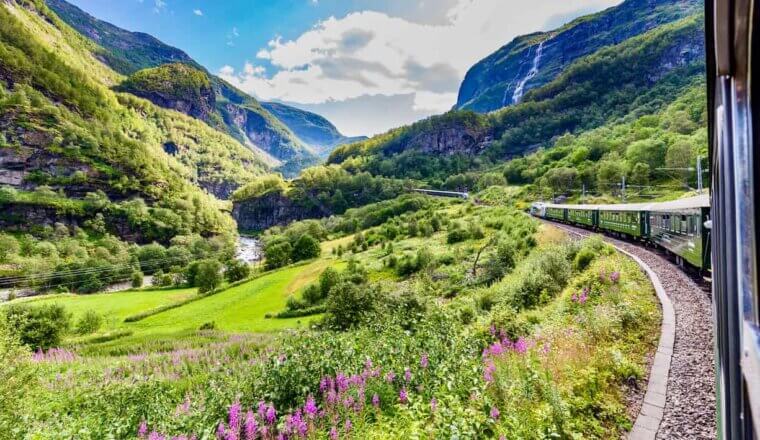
{"x":689,"y":410}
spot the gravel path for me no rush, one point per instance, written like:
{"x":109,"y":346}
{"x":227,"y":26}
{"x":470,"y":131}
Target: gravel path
{"x":690,"y":400}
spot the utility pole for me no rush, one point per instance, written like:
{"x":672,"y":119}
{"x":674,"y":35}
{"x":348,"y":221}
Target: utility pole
{"x":699,"y":174}
{"x":622,"y":188}
{"x":583,"y":195}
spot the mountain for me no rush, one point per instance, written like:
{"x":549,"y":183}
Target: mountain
{"x":640,"y":75}
{"x":170,"y":78}
{"x":76,"y":152}
{"x":125,"y":52}
{"x":313,"y":129}
{"x":531,"y":61}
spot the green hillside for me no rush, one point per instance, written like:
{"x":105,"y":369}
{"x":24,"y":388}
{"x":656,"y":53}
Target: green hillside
{"x":637,"y":76}
{"x":171,"y":79}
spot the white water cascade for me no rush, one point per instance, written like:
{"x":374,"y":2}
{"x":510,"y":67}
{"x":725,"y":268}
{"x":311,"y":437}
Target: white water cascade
{"x":520,"y":88}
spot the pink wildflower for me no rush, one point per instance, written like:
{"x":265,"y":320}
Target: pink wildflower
{"x":407,"y":375}
{"x":375,"y":400}
{"x":521,"y":345}
{"x":488,"y":372}
{"x":402,"y":396}
{"x":495,"y":413}
{"x":347,"y":426}
{"x":271,"y":415}
{"x":220,"y":430}
{"x":424,"y":361}
{"x":433,"y":404}
{"x":234,"y":416}
{"x":333,"y":433}
{"x":615,"y":277}
{"x":250,"y":426}
{"x":311,"y":407}
{"x":142,"y":431}
{"x":390,"y":377}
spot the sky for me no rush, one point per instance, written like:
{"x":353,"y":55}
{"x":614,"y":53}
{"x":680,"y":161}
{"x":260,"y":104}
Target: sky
{"x":366,"y":65}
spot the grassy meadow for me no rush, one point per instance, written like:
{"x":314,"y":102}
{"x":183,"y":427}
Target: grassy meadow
{"x":455,"y":319}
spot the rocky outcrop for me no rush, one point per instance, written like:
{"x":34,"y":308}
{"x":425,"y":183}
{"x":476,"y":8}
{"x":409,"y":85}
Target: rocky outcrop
{"x":491,"y":83}
{"x":260,"y":213}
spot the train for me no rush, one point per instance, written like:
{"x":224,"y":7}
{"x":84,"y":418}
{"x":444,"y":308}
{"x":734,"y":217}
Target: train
{"x":680,"y":227}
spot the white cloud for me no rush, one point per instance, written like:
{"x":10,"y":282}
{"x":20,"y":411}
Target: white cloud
{"x":158,"y":6}
{"x":198,"y":12}
{"x":372,"y":53}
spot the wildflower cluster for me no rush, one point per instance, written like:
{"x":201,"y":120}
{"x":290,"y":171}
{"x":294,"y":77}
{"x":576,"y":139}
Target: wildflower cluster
{"x":54,"y":355}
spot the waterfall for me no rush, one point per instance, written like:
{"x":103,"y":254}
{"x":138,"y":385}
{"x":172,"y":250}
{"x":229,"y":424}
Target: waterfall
{"x":520,"y":88}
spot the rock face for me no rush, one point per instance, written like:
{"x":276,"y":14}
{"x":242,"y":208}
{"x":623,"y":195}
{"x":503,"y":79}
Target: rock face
{"x":495,"y":81}
{"x":269,"y":210}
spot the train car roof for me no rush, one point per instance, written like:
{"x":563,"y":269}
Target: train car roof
{"x":701,"y":201}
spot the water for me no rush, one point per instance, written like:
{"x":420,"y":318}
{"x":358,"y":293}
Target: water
{"x":248,"y":250}
{"x":520,"y":89}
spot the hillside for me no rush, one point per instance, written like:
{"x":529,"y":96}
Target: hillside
{"x":638,"y":76}
{"x":533,"y":60}
{"x":171,"y":79}
{"x":313,"y":129}
{"x":75,"y":152}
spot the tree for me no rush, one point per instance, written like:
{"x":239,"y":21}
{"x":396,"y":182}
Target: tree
{"x":277,"y":254}
{"x":648,"y":151}
{"x":327,"y":280}
{"x":8,"y":246}
{"x":137,"y":279}
{"x":561,"y":179}
{"x":640,"y":174}
{"x":306,"y":247}
{"x":610,"y":173}
{"x":39,"y":327}
{"x":236,"y":270}
{"x":348,"y":304}
{"x":680,"y":155}
{"x":209,"y":275}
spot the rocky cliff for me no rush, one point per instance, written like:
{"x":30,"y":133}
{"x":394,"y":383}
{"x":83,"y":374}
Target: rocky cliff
{"x":271,"y":209}
{"x":530,"y":61}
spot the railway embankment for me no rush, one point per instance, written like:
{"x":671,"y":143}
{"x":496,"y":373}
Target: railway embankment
{"x":683,"y":365}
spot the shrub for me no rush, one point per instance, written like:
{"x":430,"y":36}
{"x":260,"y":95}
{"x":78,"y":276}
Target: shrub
{"x":313,"y":294}
{"x":39,"y":327}
{"x":237,"y":270}
{"x":90,"y":322}
{"x":456,"y":235}
{"x":209,"y":275}
{"x":137,"y":279}
{"x":305,"y":248}
{"x":8,"y":246}
{"x":348,"y":304}
{"x":327,"y":280}
{"x":583,"y":258}
{"x":17,"y":377}
{"x":211,"y":325}
{"x":540,"y":278}
{"x":277,"y":254}
{"x":294,"y":303}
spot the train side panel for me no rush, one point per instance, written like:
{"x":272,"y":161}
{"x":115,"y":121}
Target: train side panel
{"x":680,"y":233}
{"x":626,"y":222}
{"x":581,"y":216}
{"x":555,"y":213}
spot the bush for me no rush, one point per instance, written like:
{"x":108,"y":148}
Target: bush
{"x":327,"y":280}
{"x":313,"y":294}
{"x":583,"y":258}
{"x":306,"y":248}
{"x":299,"y":313}
{"x":294,"y":303}
{"x":277,"y":254}
{"x":237,"y":270}
{"x":39,"y":327}
{"x":457,"y":234}
{"x":349,"y":304}
{"x":90,"y":322}
{"x":209,"y":275}
{"x":540,"y":278}
{"x":211,"y":325}
{"x":137,"y":279}
{"x":17,"y":377}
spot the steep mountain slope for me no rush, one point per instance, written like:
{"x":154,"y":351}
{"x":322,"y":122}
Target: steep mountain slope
{"x":310,"y":127}
{"x":125,"y":52}
{"x":153,"y":66}
{"x":637,"y":76}
{"x":530,"y":61}
{"x":74,"y":151}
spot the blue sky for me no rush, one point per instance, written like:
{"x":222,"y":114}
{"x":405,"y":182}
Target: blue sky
{"x":367,"y":65}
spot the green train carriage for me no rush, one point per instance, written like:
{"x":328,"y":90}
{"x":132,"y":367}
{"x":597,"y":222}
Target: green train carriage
{"x":583,"y":216}
{"x":556,"y":213}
